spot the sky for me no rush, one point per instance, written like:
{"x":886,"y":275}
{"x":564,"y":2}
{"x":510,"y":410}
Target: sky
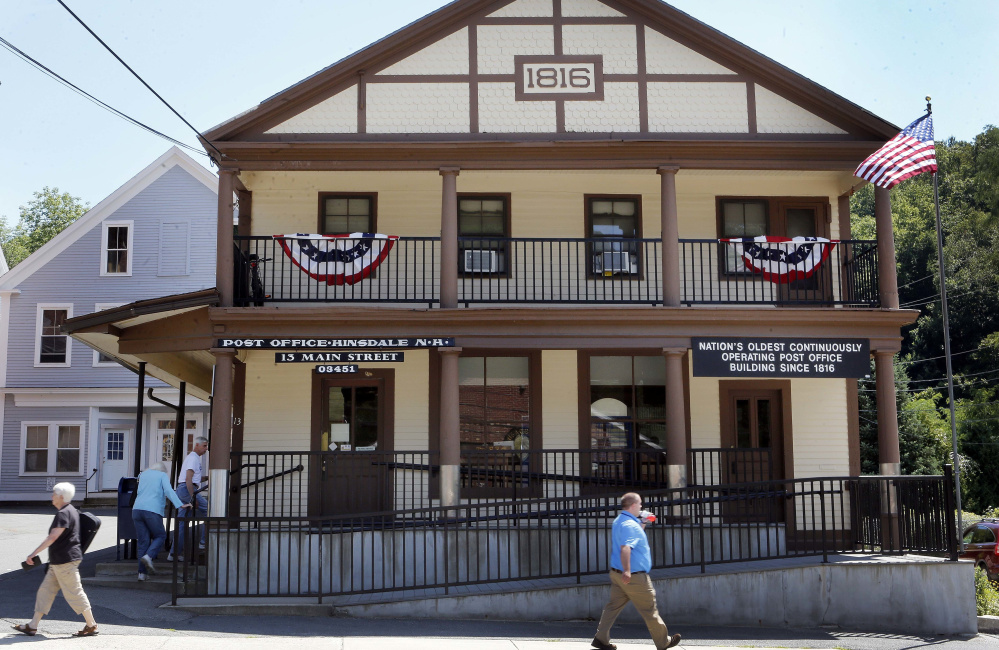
{"x":214,"y":59}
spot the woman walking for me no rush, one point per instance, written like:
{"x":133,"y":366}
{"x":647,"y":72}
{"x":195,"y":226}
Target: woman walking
{"x":147,"y":514}
{"x":65,"y":555}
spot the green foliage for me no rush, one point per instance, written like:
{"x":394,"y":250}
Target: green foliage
{"x":986,"y":595}
{"x":968,"y":182}
{"x":923,"y":437}
{"x":40,"y":220}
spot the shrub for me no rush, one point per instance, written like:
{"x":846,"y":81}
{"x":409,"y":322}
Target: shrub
{"x":986,"y":595}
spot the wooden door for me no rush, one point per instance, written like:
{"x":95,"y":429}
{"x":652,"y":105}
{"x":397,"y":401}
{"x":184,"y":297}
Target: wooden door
{"x":753,"y":429}
{"x":806,"y":219}
{"x":352,"y":428}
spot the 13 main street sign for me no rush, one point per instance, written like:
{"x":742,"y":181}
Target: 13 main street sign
{"x":781,"y":358}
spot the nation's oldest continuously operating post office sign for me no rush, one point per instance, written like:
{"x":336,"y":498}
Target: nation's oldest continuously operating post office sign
{"x":772,"y":357}
{"x":546,"y":78}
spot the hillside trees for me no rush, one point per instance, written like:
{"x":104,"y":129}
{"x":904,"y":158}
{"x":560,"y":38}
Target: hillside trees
{"x":969,"y":206}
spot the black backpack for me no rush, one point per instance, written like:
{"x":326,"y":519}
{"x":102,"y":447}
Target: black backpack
{"x":89,"y":525}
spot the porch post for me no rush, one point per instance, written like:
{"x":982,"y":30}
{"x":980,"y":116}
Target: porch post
{"x":221,"y":435}
{"x":887,"y":273}
{"x":449,"y":434}
{"x":888,"y":451}
{"x":224,"y":256}
{"x":139,"y":416}
{"x":676,"y":418}
{"x":670,"y":237}
{"x":449,"y":238}
{"x":884,"y":376}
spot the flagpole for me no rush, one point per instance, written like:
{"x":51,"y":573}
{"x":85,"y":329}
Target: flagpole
{"x":950,"y":372}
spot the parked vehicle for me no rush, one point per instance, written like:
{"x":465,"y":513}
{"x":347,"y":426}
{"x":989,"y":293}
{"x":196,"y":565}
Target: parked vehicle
{"x":981,"y":544}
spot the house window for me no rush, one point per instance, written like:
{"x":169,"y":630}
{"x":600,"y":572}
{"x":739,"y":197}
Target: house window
{"x":51,"y":448}
{"x":342,"y":214}
{"x":483,"y":227}
{"x":165,"y":434}
{"x":51,"y":345}
{"x":627,"y":402}
{"x":116,"y":244}
{"x":614,"y":224}
{"x":775,"y":217}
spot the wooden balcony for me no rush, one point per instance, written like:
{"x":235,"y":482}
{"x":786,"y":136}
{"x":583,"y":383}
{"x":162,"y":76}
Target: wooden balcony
{"x":559,"y":271}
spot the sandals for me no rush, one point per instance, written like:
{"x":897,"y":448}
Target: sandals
{"x":24,"y":628}
{"x":89,"y":630}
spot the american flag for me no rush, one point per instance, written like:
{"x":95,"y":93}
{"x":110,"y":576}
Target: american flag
{"x":908,"y":154}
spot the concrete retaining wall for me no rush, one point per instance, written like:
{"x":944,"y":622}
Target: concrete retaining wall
{"x":911,"y":597}
{"x":304,"y":563}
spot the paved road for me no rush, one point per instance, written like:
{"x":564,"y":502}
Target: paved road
{"x":23,"y":528}
{"x":131,"y":618}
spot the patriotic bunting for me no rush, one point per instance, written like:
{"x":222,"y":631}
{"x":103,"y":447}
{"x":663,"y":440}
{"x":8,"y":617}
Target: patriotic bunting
{"x":337,"y":259}
{"x":780,"y":259}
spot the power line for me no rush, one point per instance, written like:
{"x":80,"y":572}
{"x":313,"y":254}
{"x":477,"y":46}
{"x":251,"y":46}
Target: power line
{"x":932,"y":299}
{"x":136,"y":74}
{"x":953,"y":354}
{"x":925,"y":277}
{"x":14,"y":50}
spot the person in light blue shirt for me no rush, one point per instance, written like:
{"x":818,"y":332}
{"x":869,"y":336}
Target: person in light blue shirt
{"x":147,"y":514}
{"x":631,"y":561}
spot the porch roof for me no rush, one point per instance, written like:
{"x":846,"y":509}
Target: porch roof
{"x":186,"y":315}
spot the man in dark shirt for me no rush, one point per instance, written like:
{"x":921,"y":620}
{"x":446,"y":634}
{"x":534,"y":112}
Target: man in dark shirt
{"x":65,"y":555}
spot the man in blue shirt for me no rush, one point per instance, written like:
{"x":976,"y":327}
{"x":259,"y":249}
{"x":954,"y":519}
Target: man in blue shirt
{"x":631,"y":561}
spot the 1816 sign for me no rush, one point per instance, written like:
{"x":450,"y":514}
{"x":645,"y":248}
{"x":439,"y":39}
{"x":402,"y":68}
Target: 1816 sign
{"x":772,"y":357}
{"x":544,"y":78}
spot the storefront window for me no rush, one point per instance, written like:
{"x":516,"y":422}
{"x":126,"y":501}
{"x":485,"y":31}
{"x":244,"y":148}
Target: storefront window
{"x":627,"y":402}
{"x":494,"y":401}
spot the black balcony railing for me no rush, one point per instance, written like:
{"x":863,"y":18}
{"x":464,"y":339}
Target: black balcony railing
{"x":497,"y":270}
{"x":442,"y":547}
{"x":559,"y":271}
{"x":712,"y":273}
{"x":409,"y":274}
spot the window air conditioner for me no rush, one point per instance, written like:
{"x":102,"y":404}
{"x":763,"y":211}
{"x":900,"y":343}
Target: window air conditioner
{"x":481,"y":261}
{"x":611,"y":262}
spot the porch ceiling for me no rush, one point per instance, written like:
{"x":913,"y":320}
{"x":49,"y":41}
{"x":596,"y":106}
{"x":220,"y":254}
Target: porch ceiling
{"x":172,"y":335}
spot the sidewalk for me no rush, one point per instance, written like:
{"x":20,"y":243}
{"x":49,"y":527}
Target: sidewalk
{"x":129,"y":618}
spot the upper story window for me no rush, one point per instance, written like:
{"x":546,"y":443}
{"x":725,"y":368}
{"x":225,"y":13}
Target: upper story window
{"x":51,"y":345}
{"x":116,"y":247}
{"x":775,"y":217}
{"x":483,"y":222}
{"x":617,"y":220}
{"x":51,"y":448}
{"x":342,"y":214}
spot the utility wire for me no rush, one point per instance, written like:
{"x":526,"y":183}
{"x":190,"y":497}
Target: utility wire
{"x":934,"y":298}
{"x":925,"y":277}
{"x":14,"y":50}
{"x":136,"y":74}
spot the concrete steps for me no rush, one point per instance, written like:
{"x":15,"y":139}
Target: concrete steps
{"x":123,"y":574}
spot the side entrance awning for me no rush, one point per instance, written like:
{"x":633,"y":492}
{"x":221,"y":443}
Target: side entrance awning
{"x":172,"y":334}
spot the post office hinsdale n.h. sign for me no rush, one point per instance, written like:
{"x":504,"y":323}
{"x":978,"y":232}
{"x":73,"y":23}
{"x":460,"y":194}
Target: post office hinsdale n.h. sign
{"x":253,"y":343}
{"x":781,"y":357}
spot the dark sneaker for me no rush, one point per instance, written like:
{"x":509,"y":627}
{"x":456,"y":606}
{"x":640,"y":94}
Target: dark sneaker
{"x":673,"y":640}
{"x":600,"y":645}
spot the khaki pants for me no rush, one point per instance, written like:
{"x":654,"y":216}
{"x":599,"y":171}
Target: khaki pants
{"x":67,"y":578}
{"x":639,"y":592}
